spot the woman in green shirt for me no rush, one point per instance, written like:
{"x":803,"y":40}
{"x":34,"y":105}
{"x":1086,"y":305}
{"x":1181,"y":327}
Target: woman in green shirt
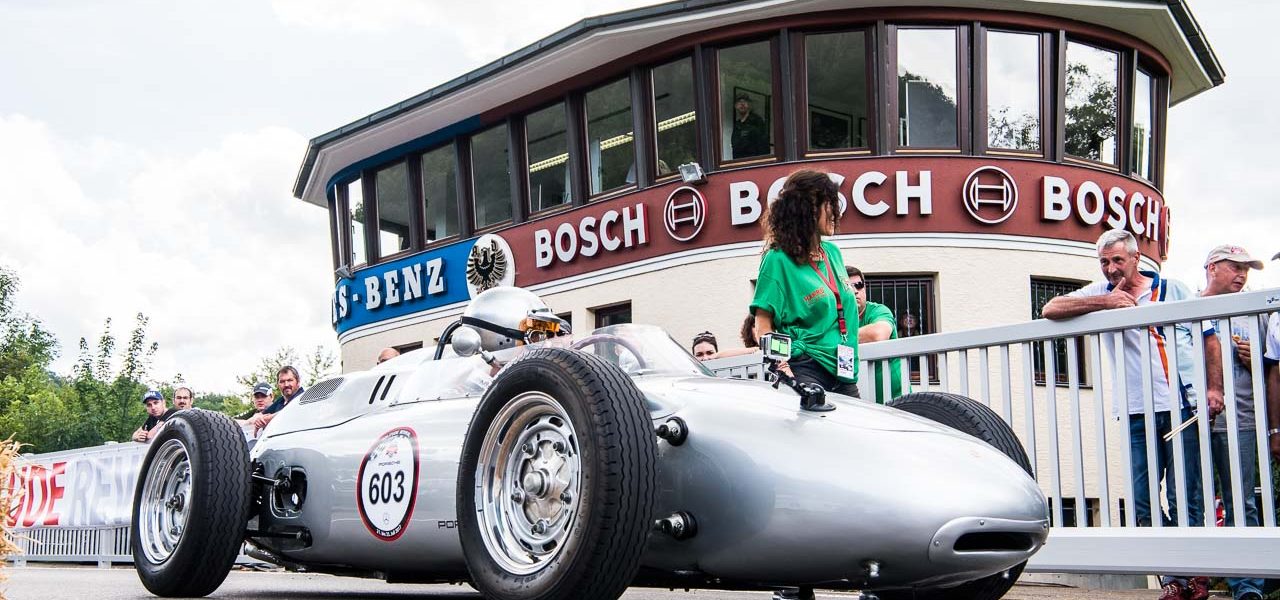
{"x":801,"y":289}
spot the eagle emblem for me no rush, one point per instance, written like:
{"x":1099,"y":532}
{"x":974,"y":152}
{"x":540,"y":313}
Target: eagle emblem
{"x":486,"y":265}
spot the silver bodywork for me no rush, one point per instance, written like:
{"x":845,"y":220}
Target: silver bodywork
{"x":864,"y":496}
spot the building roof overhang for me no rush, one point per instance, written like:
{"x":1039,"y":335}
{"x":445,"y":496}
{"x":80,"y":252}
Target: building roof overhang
{"x":452,"y":107}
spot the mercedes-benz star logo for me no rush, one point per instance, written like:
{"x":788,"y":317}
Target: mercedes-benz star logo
{"x":990,"y":195}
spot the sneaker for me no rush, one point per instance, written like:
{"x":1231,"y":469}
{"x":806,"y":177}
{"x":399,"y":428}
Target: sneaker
{"x":1198,"y":588}
{"x":1172,"y":591}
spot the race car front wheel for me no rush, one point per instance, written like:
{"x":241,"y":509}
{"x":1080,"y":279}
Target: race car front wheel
{"x":191,"y":505}
{"x":977,"y":420}
{"x":557,"y":482}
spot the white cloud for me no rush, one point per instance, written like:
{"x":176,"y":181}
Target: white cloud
{"x":211,"y":246}
{"x":487,"y":29}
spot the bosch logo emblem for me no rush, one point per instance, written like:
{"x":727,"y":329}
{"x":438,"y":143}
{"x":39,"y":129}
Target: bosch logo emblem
{"x":990,"y":195}
{"x":684,"y":213}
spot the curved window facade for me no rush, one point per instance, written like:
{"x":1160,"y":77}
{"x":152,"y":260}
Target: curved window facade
{"x":855,"y":88}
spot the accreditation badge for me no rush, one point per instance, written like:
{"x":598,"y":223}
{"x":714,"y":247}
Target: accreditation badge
{"x":846,"y":360}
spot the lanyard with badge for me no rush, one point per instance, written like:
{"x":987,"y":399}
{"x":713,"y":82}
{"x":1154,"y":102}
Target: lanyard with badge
{"x":844,"y":352}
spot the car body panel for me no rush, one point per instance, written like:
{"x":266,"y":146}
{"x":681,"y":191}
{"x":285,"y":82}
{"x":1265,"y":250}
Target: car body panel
{"x":780,"y":495}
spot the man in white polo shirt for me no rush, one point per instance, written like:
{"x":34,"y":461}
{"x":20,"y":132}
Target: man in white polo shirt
{"x":1125,"y":286}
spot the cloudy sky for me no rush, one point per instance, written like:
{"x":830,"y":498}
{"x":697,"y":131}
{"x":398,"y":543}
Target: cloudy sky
{"x":148,"y":151}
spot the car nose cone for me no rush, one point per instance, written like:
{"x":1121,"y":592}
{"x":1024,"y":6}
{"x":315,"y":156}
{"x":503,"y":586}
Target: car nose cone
{"x":783,"y":495}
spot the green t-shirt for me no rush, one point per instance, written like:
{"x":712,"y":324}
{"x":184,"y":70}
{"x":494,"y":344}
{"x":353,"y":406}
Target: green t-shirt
{"x":876,"y":313}
{"x":804,"y":307}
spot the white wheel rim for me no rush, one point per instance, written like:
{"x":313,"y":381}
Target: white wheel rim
{"x":528,"y":483}
{"x":166,"y":502}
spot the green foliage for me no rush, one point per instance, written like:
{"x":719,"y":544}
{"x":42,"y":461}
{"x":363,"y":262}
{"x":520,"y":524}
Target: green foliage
{"x":101,"y":400}
{"x":23,"y":342}
{"x":1017,"y":132}
{"x":1091,"y":112}
{"x":313,"y":367}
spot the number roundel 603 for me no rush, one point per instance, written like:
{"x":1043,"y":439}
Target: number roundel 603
{"x":387,"y":483}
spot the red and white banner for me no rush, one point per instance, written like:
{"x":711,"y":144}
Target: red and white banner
{"x":89,"y":487}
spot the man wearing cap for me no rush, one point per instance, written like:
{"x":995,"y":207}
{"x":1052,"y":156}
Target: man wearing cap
{"x":261,"y":400}
{"x":1226,"y":272}
{"x":288,"y":381}
{"x":156,"y":416}
{"x":750,"y":136}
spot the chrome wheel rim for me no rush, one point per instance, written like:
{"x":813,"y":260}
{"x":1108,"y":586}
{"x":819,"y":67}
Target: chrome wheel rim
{"x":166,"y":502}
{"x":528,"y":483}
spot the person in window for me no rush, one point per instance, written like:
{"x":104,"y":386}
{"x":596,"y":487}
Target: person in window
{"x":750,"y":135}
{"x":800,"y":291}
{"x":156,"y":416}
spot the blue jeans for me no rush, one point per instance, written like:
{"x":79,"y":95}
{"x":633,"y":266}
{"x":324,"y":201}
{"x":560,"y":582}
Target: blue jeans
{"x":1165,"y":469}
{"x":1248,"y":481}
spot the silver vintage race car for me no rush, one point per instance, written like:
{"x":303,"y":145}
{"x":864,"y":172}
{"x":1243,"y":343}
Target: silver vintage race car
{"x":542,"y":466}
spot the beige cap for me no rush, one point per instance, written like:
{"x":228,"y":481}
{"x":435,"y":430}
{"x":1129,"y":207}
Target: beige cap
{"x":1232,"y":253}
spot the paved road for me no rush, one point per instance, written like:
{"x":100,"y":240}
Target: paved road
{"x":41,"y":583}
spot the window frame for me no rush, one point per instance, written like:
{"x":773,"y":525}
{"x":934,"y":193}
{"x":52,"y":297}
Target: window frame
{"x":526,"y":175}
{"x":872,"y":50}
{"x":471,"y":183}
{"x":415,"y":237}
{"x":1123,"y":85}
{"x":584,"y":161}
{"x":651,"y":118}
{"x":419,"y":188}
{"x":1039,"y":364}
{"x":877,"y":282}
{"x":964,"y":85}
{"x":715,"y":114}
{"x":607,"y":310}
{"x":981,"y":105}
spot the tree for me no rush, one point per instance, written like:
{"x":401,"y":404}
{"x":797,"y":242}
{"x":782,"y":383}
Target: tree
{"x":23,"y":341}
{"x":1091,"y":112}
{"x":314,"y":367}
{"x":110,"y":405}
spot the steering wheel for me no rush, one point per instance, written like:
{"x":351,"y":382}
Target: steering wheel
{"x":597,"y":338}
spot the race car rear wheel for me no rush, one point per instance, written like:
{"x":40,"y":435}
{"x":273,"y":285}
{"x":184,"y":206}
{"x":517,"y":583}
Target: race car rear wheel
{"x":557,"y":482}
{"x":191,"y":505}
{"x":977,"y":420}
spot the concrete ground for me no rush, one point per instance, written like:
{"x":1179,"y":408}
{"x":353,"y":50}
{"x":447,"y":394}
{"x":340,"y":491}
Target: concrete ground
{"x":121,"y":583}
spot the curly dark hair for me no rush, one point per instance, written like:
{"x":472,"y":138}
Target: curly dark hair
{"x":791,"y":224}
{"x":748,"y":332}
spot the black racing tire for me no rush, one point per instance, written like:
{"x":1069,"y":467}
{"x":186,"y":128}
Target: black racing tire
{"x":976,"y":419}
{"x":191,"y":505}
{"x":557,"y":484}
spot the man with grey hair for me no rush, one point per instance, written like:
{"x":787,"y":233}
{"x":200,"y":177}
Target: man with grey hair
{"x":1125,"y":285}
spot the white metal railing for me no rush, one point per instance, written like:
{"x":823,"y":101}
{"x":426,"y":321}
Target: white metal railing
{"x":1080,"y":450}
